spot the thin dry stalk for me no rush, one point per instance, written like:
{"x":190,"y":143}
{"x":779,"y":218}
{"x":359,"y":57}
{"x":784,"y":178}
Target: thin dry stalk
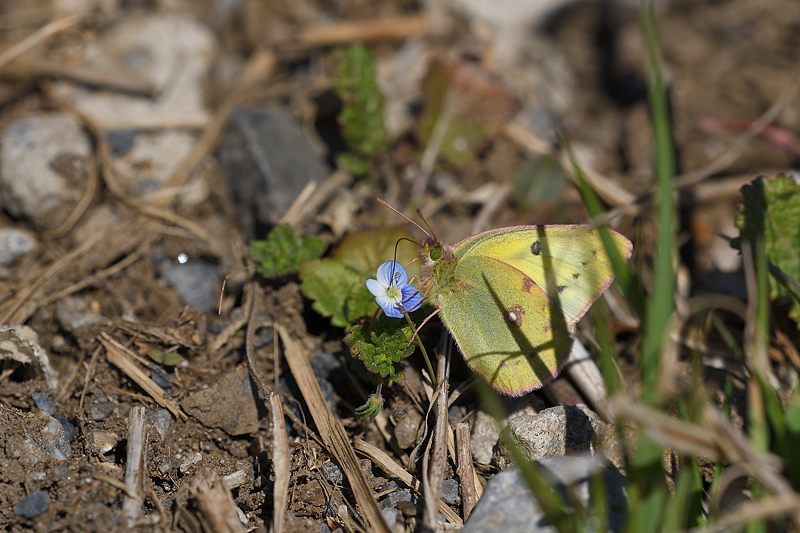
{"x":36,"y":38}
{"x":83,"y":74}
{"x":584,"y":373}
{"x":432,"y":482}
{"x":384,"y":29}
{"x":121,"y":357}
{"x":216,"y":504}
{"x":749,"y":512}
{"x":281,"y":463}
{"x":390,"y":466}
{"x":331,"y":430}
{"x":465,"y":470}
{"x":258,"y":68}
{"x":135,"y":465}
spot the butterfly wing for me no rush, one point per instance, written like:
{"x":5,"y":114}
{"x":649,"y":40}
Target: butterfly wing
{"x":509,"y":334}
{"x":568,"y":262}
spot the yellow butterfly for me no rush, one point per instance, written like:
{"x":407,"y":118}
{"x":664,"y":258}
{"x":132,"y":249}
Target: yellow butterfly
{"x":511,"y":297}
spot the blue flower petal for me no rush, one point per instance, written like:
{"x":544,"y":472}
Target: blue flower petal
{"x":412,"y":299}
{"x":391,"y":269}
{"x":375,"y":287}
{"x":389,"y":306}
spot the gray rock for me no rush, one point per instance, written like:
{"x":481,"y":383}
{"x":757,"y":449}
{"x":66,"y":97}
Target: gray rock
{"x":507,"y":504}
{"x":332,"y":472}
{"x":484,"y":437}
{"x":162,"y":420}
{"x":74,"y":315}
{"x":557,"y":431}
{"x":44,"y":402}
{"x":391,"y":516}
{"x":450,"y":492}
{"x":55,"y":439}
{"x":15,"y":243}
{"x":43,"y":162}
{"x":101,"y":409}
{"x":228,"y":404}
{"x":104,"y":441}
{"x":403,"y":500}
{"x":267,"y":159}
{"x":171,"y":50}
{"x":324,"y":365}
{"x":406,"y":428}
{"x":197,"y":282}
{"x":33,"y":504}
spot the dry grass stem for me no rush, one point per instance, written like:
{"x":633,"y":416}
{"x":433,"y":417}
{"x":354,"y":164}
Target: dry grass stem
{"x":37,"y":38}
{"x":216,"y":504}
{"x":281,"y":464}
{"x":135,"y":465}
{"x":331,"y":430}
{"x":433,"y":473}
{"x":384,"y":29}
{"x":390,"y":466}
{"x":121,"y":357}
{"x":465,"y":470}
{"x":82,"y":74}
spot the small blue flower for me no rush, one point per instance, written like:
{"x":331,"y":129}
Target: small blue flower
{"x":392,"y":291}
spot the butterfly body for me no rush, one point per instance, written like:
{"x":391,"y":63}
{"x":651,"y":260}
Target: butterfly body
{"x":511,"y":297}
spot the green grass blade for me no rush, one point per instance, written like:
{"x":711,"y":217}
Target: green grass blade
{"x":661,"y":302}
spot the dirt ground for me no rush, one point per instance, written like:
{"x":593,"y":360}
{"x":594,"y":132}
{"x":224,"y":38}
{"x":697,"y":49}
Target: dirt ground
{"x":108,"y":285}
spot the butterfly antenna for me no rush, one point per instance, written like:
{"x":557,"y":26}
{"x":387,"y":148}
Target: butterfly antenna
{"x":432,"y":233}
{"x":423,"y":230}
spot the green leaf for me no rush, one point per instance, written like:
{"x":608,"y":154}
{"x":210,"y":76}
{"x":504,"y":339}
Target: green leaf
{"x":337,"y":285}
{"x":282,"y":252}
{"x":463,"y":108}
{"x":170,"y":358}
{"x":338,"y":291}
{"x":771,"y":206}
{"x":361,"y":119}
{"x":540,"y":179}
{"x":380,"y":344}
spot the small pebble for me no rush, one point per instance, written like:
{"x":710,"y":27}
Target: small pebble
{"x":60,"y":472}
{"x":332,"y":472}
{"x":190,"y":461}
{"x":161,"y":378}
{"x":162,"y":421}
{"x":101,"y":409}
{"x":32,"y":505}
{"x":44,"y":402}
{"x":450,"y":493}
{"x":15,"y":243}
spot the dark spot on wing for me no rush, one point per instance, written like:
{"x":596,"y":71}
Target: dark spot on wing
{"x":594,"y":253}
{"x":584,"y":263}
{"x":561,"y":288}
{"x":576,"y":275}
{"x":536,"y":248}
{"x":527,"y":284}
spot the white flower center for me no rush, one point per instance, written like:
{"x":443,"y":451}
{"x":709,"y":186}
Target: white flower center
{"x":394,"y":293}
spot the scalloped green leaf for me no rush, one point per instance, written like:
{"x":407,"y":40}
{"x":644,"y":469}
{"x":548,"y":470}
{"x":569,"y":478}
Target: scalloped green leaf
{"x":282,"y":252}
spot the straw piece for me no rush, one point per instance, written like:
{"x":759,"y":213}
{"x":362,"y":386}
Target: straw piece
{"x":134,"y":465}
{"x":119,"y":356}
{"x":281,"y":462}
{"x":331,"y":430}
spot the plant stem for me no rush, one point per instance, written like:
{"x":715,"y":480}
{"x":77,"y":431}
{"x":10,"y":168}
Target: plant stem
{"x":422,"y":349}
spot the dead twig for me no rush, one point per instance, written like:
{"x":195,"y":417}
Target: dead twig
{"x":258,"y":68}
{"x":216,"y":503}
{"x":281,"y":463}
{"x":331,"y":430}
{"x":121,"y":357}
{"x":36,"y":38}
{"x":390,"y":466}
{"x":433,"y":473}
{"x":465,"y":470}
{"x":384,"y":29}
{"x":82,"y":74}
{"x":135,"y":465}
